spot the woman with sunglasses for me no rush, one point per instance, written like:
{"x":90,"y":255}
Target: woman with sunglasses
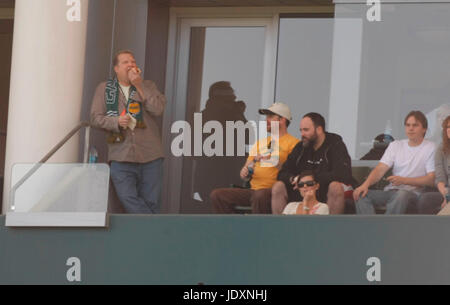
{"x":307,"y":186}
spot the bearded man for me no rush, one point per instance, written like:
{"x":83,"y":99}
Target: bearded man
{"x":323,"y":153}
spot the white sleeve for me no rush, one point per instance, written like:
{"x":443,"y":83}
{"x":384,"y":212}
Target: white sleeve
{"x":291,"y":208}
{"x":322,"y":210}
{"x":430,"y":161}
{"x":389,"y":155}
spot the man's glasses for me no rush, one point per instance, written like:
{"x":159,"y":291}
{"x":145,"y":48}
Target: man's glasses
{"x":306,"y":183}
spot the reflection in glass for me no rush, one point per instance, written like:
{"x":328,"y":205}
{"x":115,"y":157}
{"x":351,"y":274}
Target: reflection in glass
{"x":304,"y":66}
{"x":224,"y":84}
{"x":404,"y":65}
{"x":365,"y":77}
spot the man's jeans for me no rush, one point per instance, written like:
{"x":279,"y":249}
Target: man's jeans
{"x":396,"y":201}
{"x":138,"y":185}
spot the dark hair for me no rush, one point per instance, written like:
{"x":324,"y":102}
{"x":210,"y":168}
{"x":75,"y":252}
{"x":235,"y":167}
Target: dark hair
{"x":279,"y":116}
{"x":306,"y":173}
{"x":116,"y":56}
{"x":317,"y":119}
{"x":419,"y":116}
{"x":287,"y":121}
{"x":445,"y":139}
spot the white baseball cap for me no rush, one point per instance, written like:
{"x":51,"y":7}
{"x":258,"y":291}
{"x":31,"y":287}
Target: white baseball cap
{"x":278,"y":108}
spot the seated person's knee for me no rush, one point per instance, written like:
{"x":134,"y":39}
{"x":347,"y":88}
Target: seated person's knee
{"x":278,"y":188}
{"x":402,"y":194}
{"x":336,"y":189}
{"x":213,"y":195}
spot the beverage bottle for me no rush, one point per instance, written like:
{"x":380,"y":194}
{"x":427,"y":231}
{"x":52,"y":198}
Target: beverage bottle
{"x":93,"y":155}
{"x":251,"y":169}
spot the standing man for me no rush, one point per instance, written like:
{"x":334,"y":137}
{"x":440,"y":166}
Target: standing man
{"x":326,"y":155}
{"x":413,"y":169}
{"x":126,"y":107}
{"x":265,"y":160}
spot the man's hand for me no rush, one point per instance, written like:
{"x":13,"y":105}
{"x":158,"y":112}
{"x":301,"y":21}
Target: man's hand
{"x":360,"y":192}
{"x":134,"y":75}
{"x":259,"y":157}
{"x":123,"y":121}
{"x":244,"y":172}
{"x":396,"y":180}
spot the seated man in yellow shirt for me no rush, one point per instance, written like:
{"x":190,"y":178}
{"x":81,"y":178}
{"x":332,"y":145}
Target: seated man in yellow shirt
{"x":262,"y":166}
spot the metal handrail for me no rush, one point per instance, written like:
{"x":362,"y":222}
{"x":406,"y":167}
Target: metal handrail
{"x":50,"y":154}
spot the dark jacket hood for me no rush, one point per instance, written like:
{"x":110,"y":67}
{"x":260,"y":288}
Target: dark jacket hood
{"x":331,"y":139}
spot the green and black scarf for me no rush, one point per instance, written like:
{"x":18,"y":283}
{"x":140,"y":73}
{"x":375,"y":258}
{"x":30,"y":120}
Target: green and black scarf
{"x":133,"y":107}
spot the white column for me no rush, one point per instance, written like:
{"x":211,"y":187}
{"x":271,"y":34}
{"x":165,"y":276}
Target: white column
{"x":345,"y":78}
{"x":46,"y":82}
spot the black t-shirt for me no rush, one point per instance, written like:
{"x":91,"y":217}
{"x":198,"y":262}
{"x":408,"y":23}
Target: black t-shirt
{"x":313,"y":158}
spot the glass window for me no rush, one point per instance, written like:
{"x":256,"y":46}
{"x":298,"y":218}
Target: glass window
{"x":225,"y":78}
{"x":235,"y":54}
{"x":304,"y":66}
{"x":365,"y":77}
{"x":68,"y":194}
{"x":386,"y":69}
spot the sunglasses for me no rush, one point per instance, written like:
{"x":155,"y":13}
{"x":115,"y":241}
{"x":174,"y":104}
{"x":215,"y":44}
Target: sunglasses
{"x":306,"y":183}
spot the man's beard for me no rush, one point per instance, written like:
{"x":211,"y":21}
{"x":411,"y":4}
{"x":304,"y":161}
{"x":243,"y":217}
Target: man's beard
{"x":311,"y":141}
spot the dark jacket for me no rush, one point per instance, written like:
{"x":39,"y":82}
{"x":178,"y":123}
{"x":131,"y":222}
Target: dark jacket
{"x":331,"y":162}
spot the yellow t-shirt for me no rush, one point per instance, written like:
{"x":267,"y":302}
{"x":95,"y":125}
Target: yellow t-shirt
{"x":266,"y":171}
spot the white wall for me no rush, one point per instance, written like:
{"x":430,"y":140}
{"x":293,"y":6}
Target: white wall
{"x":46,"y":83}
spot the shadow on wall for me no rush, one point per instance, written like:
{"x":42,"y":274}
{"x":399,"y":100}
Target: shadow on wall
{"x":214,"y":172}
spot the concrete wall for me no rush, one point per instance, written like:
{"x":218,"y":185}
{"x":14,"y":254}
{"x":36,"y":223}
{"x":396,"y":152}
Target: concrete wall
{"x":239,"y":250}
{"x":47,"y":70}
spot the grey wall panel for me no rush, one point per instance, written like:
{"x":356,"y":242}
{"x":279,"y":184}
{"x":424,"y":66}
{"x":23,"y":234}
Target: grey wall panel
{"x":131,"y":28}
{"x":157,"y":39}
{"x":97,"y":65}
{"x":232,"y":250}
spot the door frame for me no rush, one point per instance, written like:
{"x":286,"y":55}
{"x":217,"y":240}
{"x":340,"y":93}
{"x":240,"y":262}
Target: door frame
{"x":181,"y":21}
